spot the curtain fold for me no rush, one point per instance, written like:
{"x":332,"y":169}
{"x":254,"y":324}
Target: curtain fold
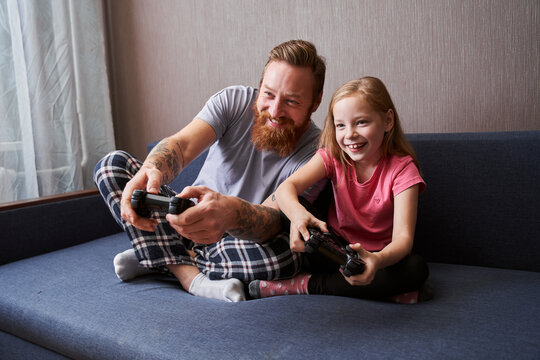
{"x":55,"y":112}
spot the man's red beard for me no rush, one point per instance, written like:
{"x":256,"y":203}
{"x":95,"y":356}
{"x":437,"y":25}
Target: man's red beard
{"x":282,"y":141}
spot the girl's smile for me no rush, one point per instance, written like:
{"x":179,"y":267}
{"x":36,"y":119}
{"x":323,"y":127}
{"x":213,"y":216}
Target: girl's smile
{"x":355,"y":147}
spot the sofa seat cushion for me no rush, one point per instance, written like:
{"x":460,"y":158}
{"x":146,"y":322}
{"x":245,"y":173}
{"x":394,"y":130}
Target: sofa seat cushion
{"x":71,"y":302}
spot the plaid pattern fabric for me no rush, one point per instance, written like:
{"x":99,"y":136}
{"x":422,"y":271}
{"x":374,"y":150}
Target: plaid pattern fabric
{"x":153,"y":249}
{"x":228,"y":258}
{"x":247,"y":260}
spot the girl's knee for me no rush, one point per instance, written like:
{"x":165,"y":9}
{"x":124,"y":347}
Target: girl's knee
{"x":417,"y":265}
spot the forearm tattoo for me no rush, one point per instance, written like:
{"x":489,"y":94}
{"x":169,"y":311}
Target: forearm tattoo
{"x":170,"y":161}
{"x":256,"y":222}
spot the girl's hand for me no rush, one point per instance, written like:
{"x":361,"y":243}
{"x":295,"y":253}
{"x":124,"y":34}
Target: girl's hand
{"x":372,"y":265}
{"x":299,"y":233}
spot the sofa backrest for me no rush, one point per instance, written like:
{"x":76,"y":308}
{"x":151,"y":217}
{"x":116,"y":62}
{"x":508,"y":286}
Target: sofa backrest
{"x":482,"y":198}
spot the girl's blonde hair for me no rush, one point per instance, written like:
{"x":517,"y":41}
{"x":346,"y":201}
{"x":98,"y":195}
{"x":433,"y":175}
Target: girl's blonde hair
{"x":375,"y":93}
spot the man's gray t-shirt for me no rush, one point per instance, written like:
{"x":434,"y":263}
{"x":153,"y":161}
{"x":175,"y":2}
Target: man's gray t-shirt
{"x":234,"y":166}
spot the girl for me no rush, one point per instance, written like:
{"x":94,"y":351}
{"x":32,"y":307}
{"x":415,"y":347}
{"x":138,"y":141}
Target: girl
{"x":376,"y":182}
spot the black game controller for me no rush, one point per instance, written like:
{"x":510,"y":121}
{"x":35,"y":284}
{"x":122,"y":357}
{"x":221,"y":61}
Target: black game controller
{"x":337,"y":249}
{"x":143,"y":203}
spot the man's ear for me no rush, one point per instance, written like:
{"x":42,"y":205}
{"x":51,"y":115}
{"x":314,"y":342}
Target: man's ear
{"x":389,"y":120}
{"x":317,"y":102}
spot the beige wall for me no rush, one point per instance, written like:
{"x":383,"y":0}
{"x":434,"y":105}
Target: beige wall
{"x":451,"y":66}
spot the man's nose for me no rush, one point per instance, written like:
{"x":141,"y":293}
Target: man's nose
{"x":276,"y":109}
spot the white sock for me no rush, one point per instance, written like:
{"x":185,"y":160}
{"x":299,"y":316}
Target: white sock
{"x":126,"y":266}
{"x":231,"y":290}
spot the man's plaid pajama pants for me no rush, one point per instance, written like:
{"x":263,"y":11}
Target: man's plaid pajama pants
{"x":229,"y":258}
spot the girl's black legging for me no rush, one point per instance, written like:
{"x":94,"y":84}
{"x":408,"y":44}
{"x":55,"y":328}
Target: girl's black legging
{"x":406,"y":276}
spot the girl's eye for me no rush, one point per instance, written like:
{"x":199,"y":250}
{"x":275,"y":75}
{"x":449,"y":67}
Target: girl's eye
{"x":339,"y":126}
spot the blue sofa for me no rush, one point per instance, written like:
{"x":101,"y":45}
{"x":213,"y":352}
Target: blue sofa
{"x":478,"y":226}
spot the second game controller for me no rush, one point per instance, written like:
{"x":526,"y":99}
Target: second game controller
{"x":143,"y":203}
{"x":336,"y":249}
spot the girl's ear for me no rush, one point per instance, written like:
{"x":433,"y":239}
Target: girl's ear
{"x":389,"y":120}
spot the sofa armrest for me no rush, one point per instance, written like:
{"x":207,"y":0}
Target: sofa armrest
{"x":34,"y":227}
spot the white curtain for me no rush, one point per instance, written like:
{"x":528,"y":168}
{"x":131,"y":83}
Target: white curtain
{"x":55,"y":112}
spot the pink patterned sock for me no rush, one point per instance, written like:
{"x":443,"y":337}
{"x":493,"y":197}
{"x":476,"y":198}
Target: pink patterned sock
{"x":296,"y":286}
{"x":424,"y":294}
{"x":405,"y":298}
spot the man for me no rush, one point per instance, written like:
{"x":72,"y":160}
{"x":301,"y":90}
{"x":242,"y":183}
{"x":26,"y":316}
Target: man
{"x":257,"y":138}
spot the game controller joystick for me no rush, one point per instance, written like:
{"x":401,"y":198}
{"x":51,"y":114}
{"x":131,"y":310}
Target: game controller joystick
{"x":143,"y":203}
{"x":335,"y":248}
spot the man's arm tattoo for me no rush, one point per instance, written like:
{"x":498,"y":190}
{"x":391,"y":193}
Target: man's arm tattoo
{"x":256,"y":222}
{"x":167,"y":160}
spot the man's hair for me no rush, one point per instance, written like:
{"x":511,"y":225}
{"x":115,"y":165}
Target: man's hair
{"x":303,"y":54}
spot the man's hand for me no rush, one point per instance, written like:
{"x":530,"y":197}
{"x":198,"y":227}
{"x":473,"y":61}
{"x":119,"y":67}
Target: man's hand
{"x":206,"y":222}
{"x":166,"y":160}
{"x":148,"y":179}
{"x":216,"y":214}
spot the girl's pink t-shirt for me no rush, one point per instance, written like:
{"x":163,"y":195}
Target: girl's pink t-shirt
{"x":364,"y":212}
